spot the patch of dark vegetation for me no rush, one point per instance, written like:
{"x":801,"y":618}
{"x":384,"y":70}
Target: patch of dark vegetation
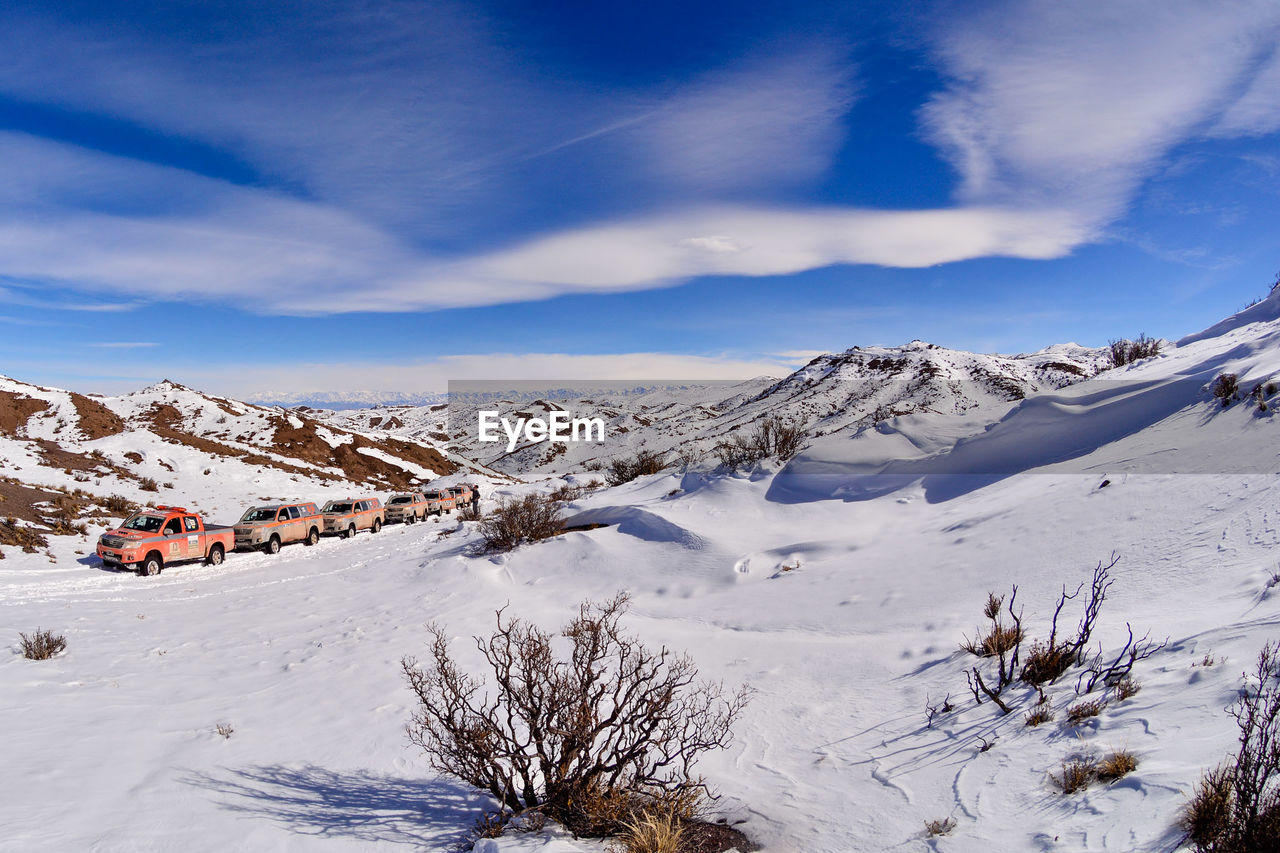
{"x":517,"y":521}
{"x":624,"y":469}
{"x":1125,"y":351}
{"x":773,"y":438}
{"x":41,"y":644}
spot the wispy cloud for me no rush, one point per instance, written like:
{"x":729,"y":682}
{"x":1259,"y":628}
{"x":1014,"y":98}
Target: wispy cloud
{"x":124,"y":344}
{"x":1073,"y":103}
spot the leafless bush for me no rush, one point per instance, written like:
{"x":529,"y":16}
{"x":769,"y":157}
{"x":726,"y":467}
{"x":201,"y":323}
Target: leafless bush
{"x":773,"y":438}
{"x":590,"y":739}
{"x":469,"y":512}
{"x":1236,"y":807}
{"x":566,"y":493}
{"x":934,"y":828}
{"x":1122,"y":352}
{"x":624,"y":469}
{"x":1226,"y":388}
{"x":1004,"y":643}
{"x":148,"y":484}
{"x":519,"y":520}
{"x":1119,"y":669}
{"x":932,"y":711}
{"x":1207,"y":816}
{"x":42,"y":644}
{"x":1051,"y":658}
{"x":224,"y":729}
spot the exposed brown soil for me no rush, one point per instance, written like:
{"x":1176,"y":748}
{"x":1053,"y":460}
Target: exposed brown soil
{"x":306,"y":444}
{"x":18,"y":501}
{"x":96,"y":420}
{"x":703,"y":837}
{"x":16,"y":409}
{"x":166,"y":420}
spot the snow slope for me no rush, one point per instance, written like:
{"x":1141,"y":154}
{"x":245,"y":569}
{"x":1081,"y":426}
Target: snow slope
{"x":842,"y":608}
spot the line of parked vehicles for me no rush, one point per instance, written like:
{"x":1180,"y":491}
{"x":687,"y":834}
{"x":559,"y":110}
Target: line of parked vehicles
{"x":155,"y":537}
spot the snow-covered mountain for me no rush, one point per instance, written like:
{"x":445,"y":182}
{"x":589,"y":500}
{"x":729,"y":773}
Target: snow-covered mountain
{"x":838,"y":585}
{"x":170,"y":443}
{"x":833,"y":394}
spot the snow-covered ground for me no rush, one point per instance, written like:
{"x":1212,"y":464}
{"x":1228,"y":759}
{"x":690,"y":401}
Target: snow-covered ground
{"x":112,"y":745}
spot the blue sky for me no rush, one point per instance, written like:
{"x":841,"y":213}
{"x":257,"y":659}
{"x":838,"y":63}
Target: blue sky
{"x":390,"y":194}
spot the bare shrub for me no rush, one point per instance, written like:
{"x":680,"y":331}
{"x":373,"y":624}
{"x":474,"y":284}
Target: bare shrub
{"x":519,"y":520}
{"x":1038,"y":716}
{"x":1003,"y":642}
{"x":224,"y":729}
{"x":565,"y":493}
{"x":148,"y":484}
{"x":1076,"y":775}
{"x":1207,"y":816}
{"x":1110,"y":674}
{"x":1050,"y":658}
{"x":1236,"y":807}
{"x":469,"y":512}
{"x":1115,"y":765}
{"x":41,"y":644}
{"x":772,"y":438}
{"x":1081,"y":711}
{"x":1122,"y":352}
{"x":491,"y":824}
{"x":934,"y":828}
{"x":590,"y":738}
{"x":624,"y":469}
{"x":1227,"y":388}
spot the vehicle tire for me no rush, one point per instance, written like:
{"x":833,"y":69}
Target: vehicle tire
{"x":273,"y":545}
{"x":216,"y":555}
{"x":351,"y":531}
{"x":377,"y":525}
{"x":151,"y":566}
{"x":313,"y":537}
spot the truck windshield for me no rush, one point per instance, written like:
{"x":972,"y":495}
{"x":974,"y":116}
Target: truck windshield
{"x":266,"y":514}
{"x":433,"y":496}
{"x":145,"y":523}
{"x":401,"y":499}
{"x":333,"y":507}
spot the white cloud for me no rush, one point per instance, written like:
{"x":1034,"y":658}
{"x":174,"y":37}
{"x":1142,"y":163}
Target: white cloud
{"x":1257,"y":111}
{"x":1070,"y":104}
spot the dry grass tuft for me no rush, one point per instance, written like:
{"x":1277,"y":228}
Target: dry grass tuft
{"x":934,"y":828}
{"x":651,"y":832}
{"x":1207,"y":815}
{"x":1037,"y":716}
{"x":1076,"y":775}
{"x":1082,"y":711}
{"x":1127,"y":688}
{"x":1119,"y":763}
{"x":42,"y":645}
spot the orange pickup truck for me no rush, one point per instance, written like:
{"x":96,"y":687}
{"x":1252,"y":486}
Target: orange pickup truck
{"x":346,"y":516}
{"x":150,"y":539}
{"x":269,"y":527}
{"x":441,"y":499}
